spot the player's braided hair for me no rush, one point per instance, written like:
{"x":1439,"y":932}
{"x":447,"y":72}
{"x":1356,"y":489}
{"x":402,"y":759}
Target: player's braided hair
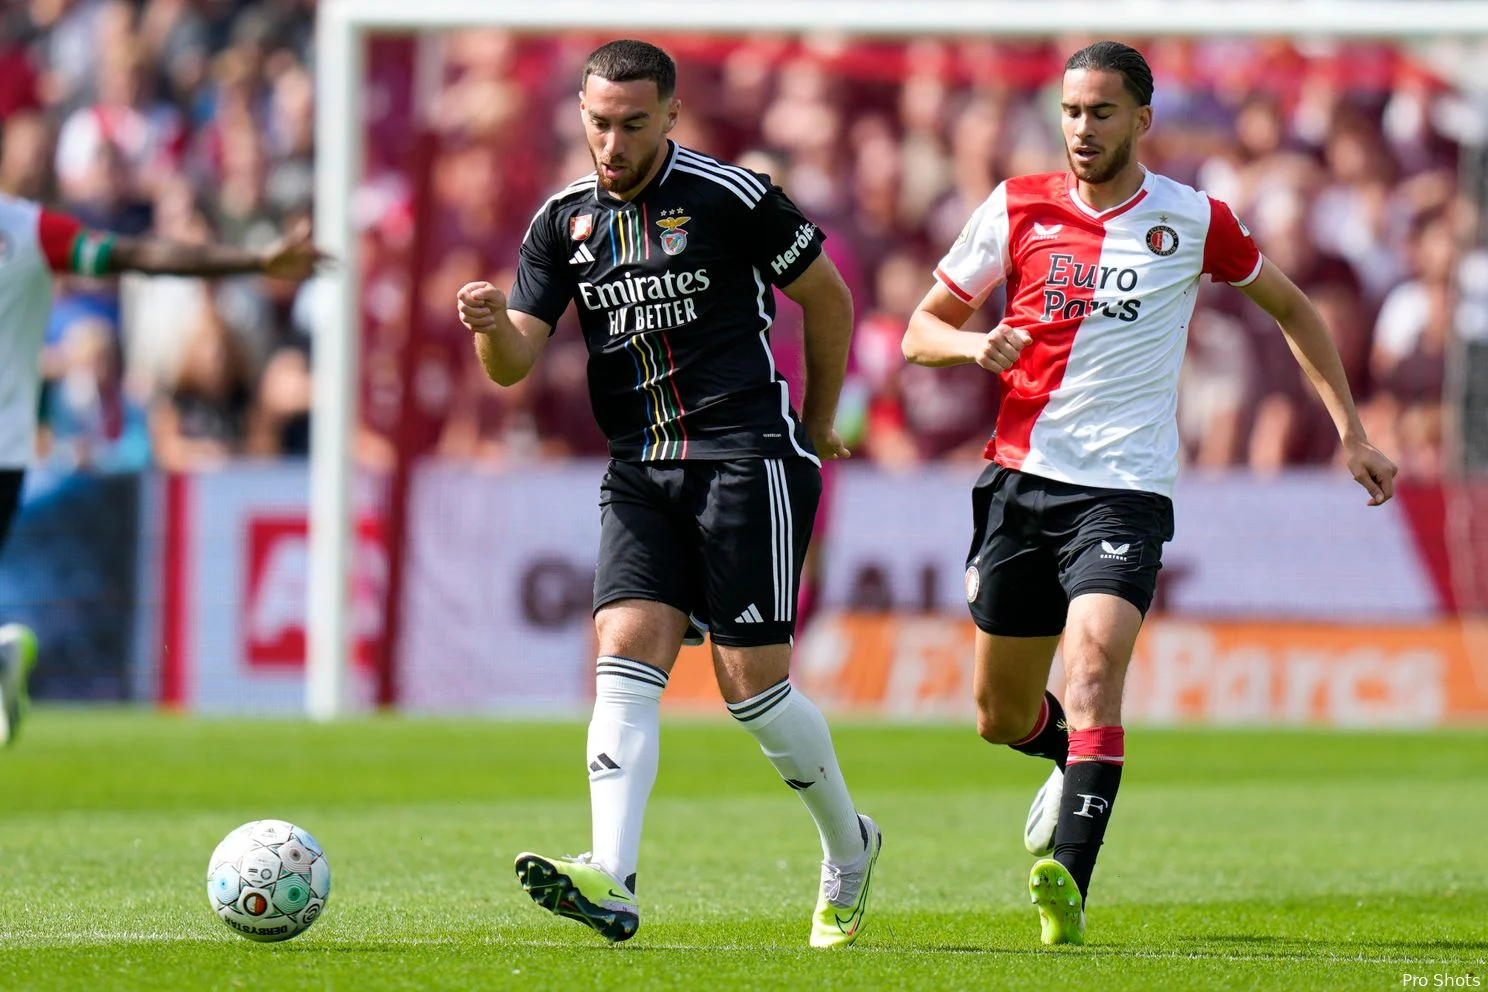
{"x":627,"y":60}
{"x":1113,"y":56}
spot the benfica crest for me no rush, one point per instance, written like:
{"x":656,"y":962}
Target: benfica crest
{"x":580,"y":226}
{"x":673,"y":238}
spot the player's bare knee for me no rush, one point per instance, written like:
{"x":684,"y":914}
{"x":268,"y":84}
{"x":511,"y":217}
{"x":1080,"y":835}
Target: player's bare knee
{"x":745,"y":672}
{"x":640,"y":630}
{"x":737,"y":686}
{"x":1003,"y":724}
{"x":991,"y":730}
{"x":1092,"y":694}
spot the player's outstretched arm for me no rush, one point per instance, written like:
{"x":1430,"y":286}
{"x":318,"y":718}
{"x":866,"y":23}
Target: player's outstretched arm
{"x":508,"y":342}
{"x":827,"y":323}
{"x":292,"y":257}
{"x":934,"y":336}
{"x":1307,"y":335}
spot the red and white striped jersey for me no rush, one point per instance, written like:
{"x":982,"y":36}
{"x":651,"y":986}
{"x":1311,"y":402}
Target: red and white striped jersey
{"x":1106,"y":296}
{"x":34,"y":243}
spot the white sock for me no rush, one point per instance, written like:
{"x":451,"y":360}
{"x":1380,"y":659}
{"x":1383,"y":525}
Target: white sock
{"x":794,"y":736}
{"x":624,"y":748}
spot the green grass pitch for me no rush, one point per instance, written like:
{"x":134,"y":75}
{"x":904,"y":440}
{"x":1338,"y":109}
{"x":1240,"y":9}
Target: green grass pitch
{"x":1237,"y":860}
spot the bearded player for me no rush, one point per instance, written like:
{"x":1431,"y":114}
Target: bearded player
{"x":1102,"y":265}
{"x":707,"y":506}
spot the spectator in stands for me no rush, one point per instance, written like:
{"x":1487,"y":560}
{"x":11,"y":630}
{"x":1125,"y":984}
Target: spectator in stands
{"x":126,"y":120}
{"x":1416,"y":324}
{"x":202,"y":419}
{"x":1416,"y":314}
{"x":173,"y":34}
{"x":1351,"y":215}
{"x":158,"y":311}
{"x":290,"y":142}
{"x":1291,"y":425}
{"x":194,"y":120}
{"x":491,"y":426}
{"x":922,"y":113}
{"x":916,"y":414}
{"x":280,"y":425}
{"x":89,"y":421}
{"x":1216,"y":390}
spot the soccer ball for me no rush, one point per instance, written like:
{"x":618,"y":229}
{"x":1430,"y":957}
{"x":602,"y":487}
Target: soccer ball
{"x":268,"y":880}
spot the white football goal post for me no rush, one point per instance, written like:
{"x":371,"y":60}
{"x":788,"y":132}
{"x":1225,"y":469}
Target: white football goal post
{"x":341,"y":32}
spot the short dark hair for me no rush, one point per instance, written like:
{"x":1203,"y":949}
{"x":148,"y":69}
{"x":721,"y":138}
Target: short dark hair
{"x":627,"y":60}
{"x":1113,"y":56}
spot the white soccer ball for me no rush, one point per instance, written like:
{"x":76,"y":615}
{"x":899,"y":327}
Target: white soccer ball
{"x":268,"y":880}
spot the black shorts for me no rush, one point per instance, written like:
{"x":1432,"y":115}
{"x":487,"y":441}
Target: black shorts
{"x":722,"y":541}
{"x":10,"y":498}
{"x":1038,"y":543}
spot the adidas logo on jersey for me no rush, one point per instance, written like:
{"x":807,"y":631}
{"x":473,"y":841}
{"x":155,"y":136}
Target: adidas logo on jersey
{"x":750,"y":615}
{"x":581,"y":257}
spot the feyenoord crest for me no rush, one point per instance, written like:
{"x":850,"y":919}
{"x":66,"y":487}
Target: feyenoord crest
{"x":580,"y":226}
{"x":1162,"y":240}
{"x":673,"y":238}
{"x":973,"y":583}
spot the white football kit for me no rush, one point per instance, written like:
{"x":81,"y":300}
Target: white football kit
{"x":34,"y":243}
{"x":1106,"y":297}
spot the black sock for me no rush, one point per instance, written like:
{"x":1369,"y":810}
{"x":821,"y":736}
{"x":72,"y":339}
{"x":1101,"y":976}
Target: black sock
{"x":1050,"y":736}
{"x":1089,"y":794}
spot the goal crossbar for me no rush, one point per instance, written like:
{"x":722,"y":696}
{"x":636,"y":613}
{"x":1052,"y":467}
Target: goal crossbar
{"x":1312,"y":18}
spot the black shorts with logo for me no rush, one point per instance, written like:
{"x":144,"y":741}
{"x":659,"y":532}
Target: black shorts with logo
{"x":1039,"y":543}
{"x":722,"y":541}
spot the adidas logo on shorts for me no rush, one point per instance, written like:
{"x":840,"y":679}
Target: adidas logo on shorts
{"x":750,"y":615}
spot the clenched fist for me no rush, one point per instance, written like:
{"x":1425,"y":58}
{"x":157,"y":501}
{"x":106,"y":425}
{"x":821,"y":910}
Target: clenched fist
{"x":1001,"y":348}
{"x":479,"y":304}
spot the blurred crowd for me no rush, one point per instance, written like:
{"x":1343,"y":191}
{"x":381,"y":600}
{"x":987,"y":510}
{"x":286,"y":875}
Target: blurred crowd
{"x":192,"y":119}
{"x":185,"y":119}
{"x":1341,"y":159}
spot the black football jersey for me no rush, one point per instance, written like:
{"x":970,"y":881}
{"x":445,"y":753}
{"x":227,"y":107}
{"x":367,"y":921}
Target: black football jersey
{"x":673,"y":292}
